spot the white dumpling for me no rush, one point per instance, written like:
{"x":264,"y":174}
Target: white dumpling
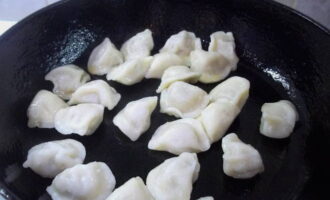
{"x":104,"y":57}
{"x":92,"y":181}
{"x":82,"y":119}
{"x":183,"y":135}
{"x":97,"y":91}
{"x":133,"y":189}
{"x":224,"y":43}
{"x":182,"y":44}
{"x":131,"y":71}
{"x":138,"y":46}
{"x":213,"y":66}
{"x":50,"y":158}
{"x":134,"y":119}
{"x":177,"y":73}
{"x":41,"y":112}
{"x":206,"y":198}
{"x":217,"y":118}
{"x":173,"y":179}
{"x":235,"y":89}
{"x":161,"y":62}
{"x":183,"y":100}
{"x":240,"y":160}
{"x":67,"y":79}
{"x":278,"y":119}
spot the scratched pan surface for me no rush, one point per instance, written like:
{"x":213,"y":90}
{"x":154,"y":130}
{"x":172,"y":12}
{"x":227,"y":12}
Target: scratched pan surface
{"x":284,"y":55}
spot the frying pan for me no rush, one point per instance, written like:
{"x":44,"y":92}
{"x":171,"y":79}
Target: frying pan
{"x":284,"y":54}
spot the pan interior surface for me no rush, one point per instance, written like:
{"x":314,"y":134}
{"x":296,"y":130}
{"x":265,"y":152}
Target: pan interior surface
{"x":278,"y":55}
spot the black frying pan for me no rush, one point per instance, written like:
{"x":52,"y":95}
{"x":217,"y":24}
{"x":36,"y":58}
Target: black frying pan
{"x":283,"y":54}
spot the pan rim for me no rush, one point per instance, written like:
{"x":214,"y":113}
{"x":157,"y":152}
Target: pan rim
{"x":289,"y":10}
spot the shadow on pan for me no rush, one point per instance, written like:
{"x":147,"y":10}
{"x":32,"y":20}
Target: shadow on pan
{"x":284,"y":55}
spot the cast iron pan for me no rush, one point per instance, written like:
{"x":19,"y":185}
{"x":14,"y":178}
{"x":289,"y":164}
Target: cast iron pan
{"x":284,"y":55}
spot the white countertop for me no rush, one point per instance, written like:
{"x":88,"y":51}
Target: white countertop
{"x":5,"y":25}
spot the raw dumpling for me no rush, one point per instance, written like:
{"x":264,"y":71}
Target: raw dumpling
{"x":67,"y":79}
{"x":92,"y":181}
{"x":278,"y":119}
{"x":217,"y":118}
{"x":173,"y":179}
{"x":224,"y":43}
{"x":138,"y":46}
{"x":182,"y":44}
{"x":82,"y":119}
{"x":161,"y":62}
{"x":240,"y":160}
{"x":130,"y":72}
{"x":183,"y":100}
{"x":133,"y":189}
{"x":235,"y":89}
{"x":42,"y":110}
{"x":50,"y":158}
{"x":206,"y":198}
{"x":97,"y":91}
{"x":183,"y":135}
{"x":213,"y":66}
{"x":134,"y":119}
{"x":177,"y":73}
{"x":104,"y":57}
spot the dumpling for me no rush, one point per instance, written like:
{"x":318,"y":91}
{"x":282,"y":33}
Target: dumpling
{"x":213,"y":66}
{"x":134,"y":119}
{"x":235,"y":89}
{"x":104,"y":57}
{"x":182,"y":44}
{"x":206,"y":198}
{"x":183,"y":135}
{"x":97,"y":91}
{"x":138,"y":46}
{"x":130,"y":72}
{"x":173,"y":179}
{"x":82,"y":119}
{"x":278,"y":119}
{"x":161,"y":62}
{"x":133,"y":189}
{"x":240,"y":160}
{"x":67,"y":79}
{"x":224,"y":43}
{"x":183,"y":100}
{"x":92,"y":181}
{"x":42,"y":110}
{"x":177,"y":73}
{"x":50,"y":158}
{"x":217,"y":118}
